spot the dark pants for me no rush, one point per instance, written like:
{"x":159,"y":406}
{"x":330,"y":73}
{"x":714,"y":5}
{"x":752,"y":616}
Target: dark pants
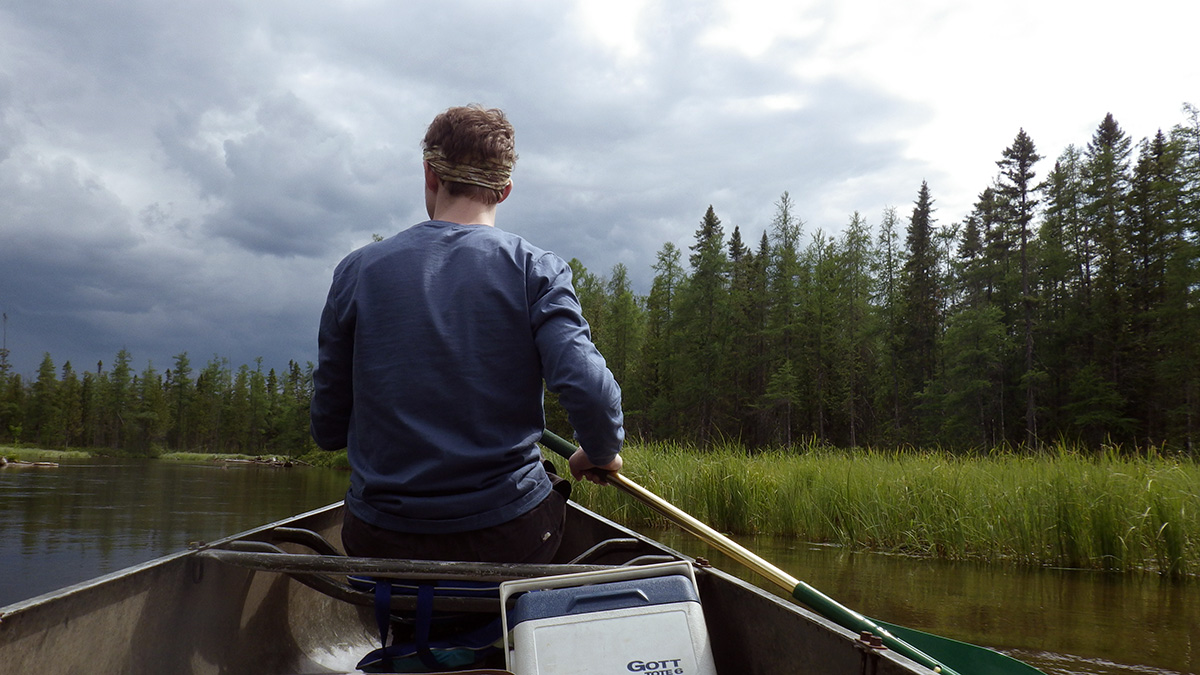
{"x":532,"y":537}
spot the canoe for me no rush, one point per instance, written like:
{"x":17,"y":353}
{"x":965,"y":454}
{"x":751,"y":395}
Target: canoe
{"x":274,"y":599}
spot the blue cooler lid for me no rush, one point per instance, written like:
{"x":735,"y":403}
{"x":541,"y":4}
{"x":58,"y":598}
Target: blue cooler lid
{"x":557,"y":602}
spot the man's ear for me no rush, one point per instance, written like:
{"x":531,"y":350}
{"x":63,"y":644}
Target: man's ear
{"x":505,"y":192}
{"x":432,"y":182}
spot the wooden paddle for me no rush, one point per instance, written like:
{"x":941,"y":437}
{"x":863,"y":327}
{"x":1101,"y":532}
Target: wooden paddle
{"x":940,"y":654}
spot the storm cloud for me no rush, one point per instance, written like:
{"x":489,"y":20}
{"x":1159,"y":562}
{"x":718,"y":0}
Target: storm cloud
{"x":182,"y":177}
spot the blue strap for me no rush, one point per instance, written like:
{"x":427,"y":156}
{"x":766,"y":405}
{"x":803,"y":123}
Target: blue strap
{"x":477,"y":641}
{"x":424,"y":622}
{"x":383,"y":609}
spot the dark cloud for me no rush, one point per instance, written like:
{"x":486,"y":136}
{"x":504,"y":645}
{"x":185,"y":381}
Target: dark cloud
{"x":183,"y":177}
{"x":293,"y":183}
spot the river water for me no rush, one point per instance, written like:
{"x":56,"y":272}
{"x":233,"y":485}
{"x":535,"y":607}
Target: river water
{"x":1065,"y":622}
{"x":69,"y":524}
{"x":86,"y":518}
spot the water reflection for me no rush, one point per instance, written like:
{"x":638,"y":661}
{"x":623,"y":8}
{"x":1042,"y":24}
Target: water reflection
{"x":65,"y":525}
{"x":1062,"y":621}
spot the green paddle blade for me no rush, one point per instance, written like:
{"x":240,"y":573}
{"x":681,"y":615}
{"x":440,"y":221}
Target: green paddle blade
{"x":962,"y":656}
{"x":932,"y":651}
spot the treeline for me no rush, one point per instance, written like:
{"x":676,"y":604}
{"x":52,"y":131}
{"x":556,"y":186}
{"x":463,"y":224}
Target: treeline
{"x":1065,"y":309}
{"x":217,"y":409}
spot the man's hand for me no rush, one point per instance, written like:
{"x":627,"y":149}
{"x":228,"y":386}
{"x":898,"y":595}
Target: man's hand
{"x":582,"y":467}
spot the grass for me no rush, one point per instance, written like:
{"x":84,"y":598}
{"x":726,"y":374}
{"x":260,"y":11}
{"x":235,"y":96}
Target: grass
{"x":209,"y":457}
{"x":318,"y":458}
{"x":1062,"y":508}
{"x":326,"y":459}
{"x":26,"y":454}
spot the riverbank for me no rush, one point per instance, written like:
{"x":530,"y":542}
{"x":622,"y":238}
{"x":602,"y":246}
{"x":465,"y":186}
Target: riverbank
{"x":23,"y":454}
{"x":1062,"y":509}
{"x":328,"y":460}
{"x":1059,"y":509}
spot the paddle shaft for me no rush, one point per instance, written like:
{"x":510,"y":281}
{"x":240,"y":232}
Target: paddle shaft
{"x":818,"y":601}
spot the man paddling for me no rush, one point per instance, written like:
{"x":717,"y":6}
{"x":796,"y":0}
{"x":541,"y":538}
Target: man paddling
{"x":433,"y":348}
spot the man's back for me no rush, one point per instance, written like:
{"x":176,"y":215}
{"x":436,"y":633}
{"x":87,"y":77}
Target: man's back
{"x":434,"y":346}
{"x":451,"y":326}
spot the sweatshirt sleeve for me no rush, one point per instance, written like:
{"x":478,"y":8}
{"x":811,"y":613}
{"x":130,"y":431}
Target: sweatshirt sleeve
{"x":333,"y":395}
{"x":572,"y":366}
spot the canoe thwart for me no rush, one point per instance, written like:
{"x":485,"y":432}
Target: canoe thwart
{"x":287,"y":563}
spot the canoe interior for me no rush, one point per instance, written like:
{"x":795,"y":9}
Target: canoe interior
{"x":191,"y":613}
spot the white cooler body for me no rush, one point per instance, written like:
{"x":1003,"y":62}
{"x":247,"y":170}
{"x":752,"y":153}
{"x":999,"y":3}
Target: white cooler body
{"x":609,"y":623}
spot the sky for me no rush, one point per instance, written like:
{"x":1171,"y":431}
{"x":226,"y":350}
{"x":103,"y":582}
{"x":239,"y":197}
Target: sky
{"x":182,"y":177}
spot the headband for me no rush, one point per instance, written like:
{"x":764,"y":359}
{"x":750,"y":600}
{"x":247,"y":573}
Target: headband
{"x":489,"y":174}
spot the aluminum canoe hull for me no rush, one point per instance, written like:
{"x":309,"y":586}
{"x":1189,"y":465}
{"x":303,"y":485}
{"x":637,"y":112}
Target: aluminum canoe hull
{"x":194,"y":613}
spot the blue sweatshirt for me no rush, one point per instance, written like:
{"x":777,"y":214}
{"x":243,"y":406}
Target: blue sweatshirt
{"x":434,"y":345}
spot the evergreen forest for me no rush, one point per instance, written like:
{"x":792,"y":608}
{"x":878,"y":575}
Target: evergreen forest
{"x":1063,"y":309}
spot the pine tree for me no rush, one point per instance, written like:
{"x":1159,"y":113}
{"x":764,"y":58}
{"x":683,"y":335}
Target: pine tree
{"x":747,"y":288}
{"x":888,"y":259}
{"x":182,"y":393}
{"x":70,"y":406}
{"x":259,"y":409}
{"x":967,"y":388}
{"x":118,"y":400}
{"x":758,"y":317}
{"x":151,"y":414}
{"x":624,"y":319}
{"x":822,"y":332}
{"x":1187,"y":138}
{"x":661,"y":371}
{"x":1064,"y":327}
{"x":1106,"y":189}
{"x":781,"y":396}
{"x":237,"y":419}
{"x":292,"y":437}
{"x":703,"y":320}
{"x":785,"y":276}
{"x":91,"y":394}
{"x":12,"y":408}
{"x":213,"y":388}
{"x":589,"y":288}
{"x":858,"y":324}
{"x":1182,"y":312}
{"x":787,"y":282}
{"x":1018,"y":190}
{"x":972,"y":385}
{"x":42,"y":414}
{"x":970,"y":288}
{"x":921,"y":294}
{"x":1154,"y":208}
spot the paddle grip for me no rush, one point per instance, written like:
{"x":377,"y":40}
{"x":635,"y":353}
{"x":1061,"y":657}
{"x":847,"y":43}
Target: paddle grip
{"x":565,"y":448}
{"x":558,"y":444}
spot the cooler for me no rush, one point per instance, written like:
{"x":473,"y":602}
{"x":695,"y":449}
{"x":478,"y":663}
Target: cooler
{"x":644,"y":620}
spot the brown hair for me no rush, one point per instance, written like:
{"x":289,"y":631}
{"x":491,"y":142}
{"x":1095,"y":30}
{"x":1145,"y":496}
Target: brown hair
{"x":472,"y":141}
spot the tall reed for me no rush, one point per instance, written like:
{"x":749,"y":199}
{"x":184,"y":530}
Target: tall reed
{"x":1061,"y":508}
